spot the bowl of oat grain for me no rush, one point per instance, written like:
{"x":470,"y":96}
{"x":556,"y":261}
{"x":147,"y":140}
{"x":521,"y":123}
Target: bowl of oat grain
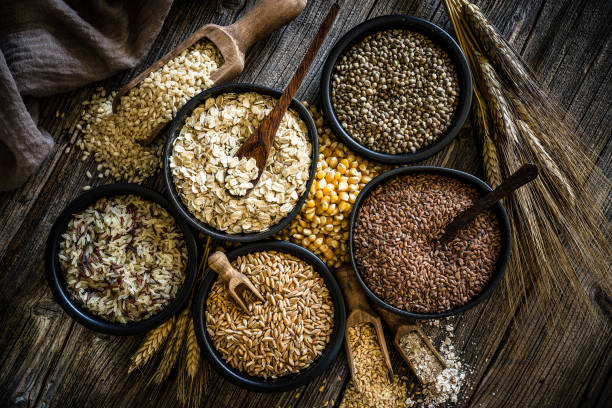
{"x":205,"y":180}
{"x":120,"y":260}
{"x":286,"y":340}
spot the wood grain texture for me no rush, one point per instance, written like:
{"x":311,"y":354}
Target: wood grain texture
{"x":515,"y":359}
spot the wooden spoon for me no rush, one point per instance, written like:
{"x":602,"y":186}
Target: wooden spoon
{"x":525,"y":174}
{"x":401,"y":327}
{"x":232,"y":41}
{"x":360,"y":312}
{"x":219,"y":263}
{"x":259,"y":143}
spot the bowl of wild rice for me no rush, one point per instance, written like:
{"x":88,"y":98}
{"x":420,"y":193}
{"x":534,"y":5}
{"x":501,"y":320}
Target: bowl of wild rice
{"x":393,"y":231}
{"x":396,"y":89}
{"x":119,"y":260}
{"x":207,"y":184}
{"x":283,"y":342}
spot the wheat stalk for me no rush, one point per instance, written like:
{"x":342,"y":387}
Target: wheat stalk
{"x":173,"y":348}
{"x":151,"y":343}
{"x":559,"y":226}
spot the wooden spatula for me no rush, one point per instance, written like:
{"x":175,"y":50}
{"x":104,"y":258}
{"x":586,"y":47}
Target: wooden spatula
{"x":359,"y":312}
{"x":259,"y":143}
{"x":234,"y":280}
{"x":525,"y":174}
{"x":232,"y":41}
{"x":401,"y":327}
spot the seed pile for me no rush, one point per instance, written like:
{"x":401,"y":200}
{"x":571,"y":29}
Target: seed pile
{"x":322,"y":224}
{"x":371,"y":375}
{"x":285,"y":333}
{"x":445,"y":389}
{"x":394,"y":234}
{"x":123,"y":258}
{"x":423,"y":360}
{"x":113,"y":139}
{"x":395,"y":91}
{"x":204,"y":152}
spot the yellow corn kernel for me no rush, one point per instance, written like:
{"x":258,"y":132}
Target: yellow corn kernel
{"x":297,"y":236}
{"x":327,"y":189}
{"x":353,"y":187}
{"x":354,"y":172}
{"x":337,"y":176}
{"x":332,"y":161}
{"x":366,"y":179}
{"x":363,"y":167}
{"x":322,"y":183}
{"x":309,"y":216}
{"x":307,"y":231}
{"x":344,"y":196}
{"x":344,"y":206}
{"x":324,"y":205}
{"x":343,"y":186}
{"x":316,"y":220}
{"x":333,"y":197}
{"x":324,"y":247}
{"x":306,"y":241}
{"x":328,"y":228}
{"x":332,"y":210}
{"x":320,"y":174}
{"x":318,"y":241}
{"x":329,"y":254}
{"x":352,"y":197}
{"x":354,"y":164}
{"x":344,"y":223}
{"x":310,"y":203}
{"x":329,"y":177}
{"x":346,"y":162}
{"x":319,"y":194}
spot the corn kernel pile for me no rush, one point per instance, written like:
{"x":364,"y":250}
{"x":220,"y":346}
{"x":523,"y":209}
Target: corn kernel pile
{"x":322,"y":224}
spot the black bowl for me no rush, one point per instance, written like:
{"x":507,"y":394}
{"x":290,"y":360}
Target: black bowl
{"x":177,"y":125}
{"x":498,"y":209}
{"x":55,"y":276}
{"x":438,"y":36}
{"x":287,"y":382}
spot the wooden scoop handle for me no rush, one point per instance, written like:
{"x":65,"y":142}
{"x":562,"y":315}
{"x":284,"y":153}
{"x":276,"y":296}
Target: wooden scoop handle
{"x":353,"y":293}
{"x":262,"y":19}
{"x":525,"y":174}
{"x":219,"y":263}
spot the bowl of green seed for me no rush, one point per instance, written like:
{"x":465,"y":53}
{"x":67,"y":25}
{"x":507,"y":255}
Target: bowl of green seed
{"x":396,"y":89}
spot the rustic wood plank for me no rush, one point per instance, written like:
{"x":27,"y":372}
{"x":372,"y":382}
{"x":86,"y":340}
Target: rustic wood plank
{"x":47,"y":359}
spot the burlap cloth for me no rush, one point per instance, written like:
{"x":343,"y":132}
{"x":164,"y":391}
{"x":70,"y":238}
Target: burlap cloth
{"x":52,"y":46}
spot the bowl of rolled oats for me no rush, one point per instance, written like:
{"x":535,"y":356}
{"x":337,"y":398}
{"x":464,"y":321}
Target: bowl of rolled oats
{"x":286,"y":340}
{"x":207,"y":184}
{"x":120,"y":260}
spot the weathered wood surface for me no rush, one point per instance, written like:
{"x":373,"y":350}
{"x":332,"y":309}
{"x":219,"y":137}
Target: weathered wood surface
{"x":48,"y":360}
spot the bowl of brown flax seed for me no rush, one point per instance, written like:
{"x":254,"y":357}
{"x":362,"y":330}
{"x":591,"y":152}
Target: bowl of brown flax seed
{"x":393,"y":231}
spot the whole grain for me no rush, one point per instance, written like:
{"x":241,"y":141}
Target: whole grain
{"x":114,"y":139}
{"x":204,"y":167}
{"x":123,"y":258}
{"x":371,"y":386}
{"x":285,"y":333}
{"x":395,"y":91}
{"x":322,"y":224}
{"x":395,"y":250}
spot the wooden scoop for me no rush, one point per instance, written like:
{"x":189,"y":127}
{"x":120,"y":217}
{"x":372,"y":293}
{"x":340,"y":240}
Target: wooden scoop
{"x":359,"y":312}
{"x":232,"y":41}
{"x":259,"y":143}
{"x":219,"y":263}
{"x":402,"y":327}
{"x":522,"y":176}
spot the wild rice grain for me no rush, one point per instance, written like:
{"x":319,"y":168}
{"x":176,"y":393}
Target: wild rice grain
{"x":123,"y":258}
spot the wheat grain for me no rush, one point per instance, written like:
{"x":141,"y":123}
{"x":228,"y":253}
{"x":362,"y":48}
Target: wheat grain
{"x":151,"y":343}
{"x":173,"y":348}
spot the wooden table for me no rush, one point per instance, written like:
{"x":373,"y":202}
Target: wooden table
{"x":46,"y":359}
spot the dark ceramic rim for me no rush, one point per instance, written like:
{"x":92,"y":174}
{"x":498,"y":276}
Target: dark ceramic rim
{"x":438,"y":36}
{"x":287,"y":382}
{"x":55,"y":276}
{"x":498,"y":209}
{"x":177,"y":125}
